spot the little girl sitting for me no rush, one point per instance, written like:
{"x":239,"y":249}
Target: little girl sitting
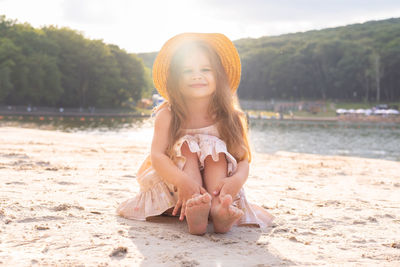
{"x":200,"y":152}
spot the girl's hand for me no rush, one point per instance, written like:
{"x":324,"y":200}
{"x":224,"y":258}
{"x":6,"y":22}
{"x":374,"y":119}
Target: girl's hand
{"x":231,"y":185}
{"x":186,"y":189}
{"x":227,"y":186}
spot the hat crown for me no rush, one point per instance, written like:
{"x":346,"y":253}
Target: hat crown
{"x":224,"y":47}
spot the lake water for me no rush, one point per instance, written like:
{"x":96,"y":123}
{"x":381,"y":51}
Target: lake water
{"x":371,"y":140}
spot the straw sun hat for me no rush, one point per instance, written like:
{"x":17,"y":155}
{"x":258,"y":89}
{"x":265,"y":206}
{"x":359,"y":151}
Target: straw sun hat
{"x":224,"y":47}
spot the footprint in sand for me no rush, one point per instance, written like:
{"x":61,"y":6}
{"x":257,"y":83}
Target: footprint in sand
{"x":41,"y":227}
{"x":390,"y":216}
{"x":119,"y":252}
{"x":186,"y":262}
{"x":189,"y":263}
{"x":293,"y":239}
{"x":51,"y":169}
{"x":16,"y":182}
{"x":171,"y":237}
{"x":212,"y":237}
{"x":42,"y":163}
{"x":129,"y":176}
{"x":39,"y":219}
{"x":307,"y":233}
{"x":387,"y":215}
{"x":65,"y":206}
{"x":360,"y":241}
{"x":21,"y":163}
{"x":64,"y":183}
{"x":14,"y":155}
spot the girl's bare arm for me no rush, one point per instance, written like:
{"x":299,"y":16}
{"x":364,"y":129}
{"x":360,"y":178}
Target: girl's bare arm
{"x":242,"y":172}
{"x":165,"y":167}
{"x":160,"y":161}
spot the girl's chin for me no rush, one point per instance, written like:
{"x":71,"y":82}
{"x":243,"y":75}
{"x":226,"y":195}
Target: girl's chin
{"x":198,"y":96}
{"x":195,"y":93}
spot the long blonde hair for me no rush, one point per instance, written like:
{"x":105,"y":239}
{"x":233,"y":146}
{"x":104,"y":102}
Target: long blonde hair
{"x":231,"y":120}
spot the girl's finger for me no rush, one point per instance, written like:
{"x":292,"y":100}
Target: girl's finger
{"x":183,"y":209}
{"x":177,"y":206}
{"x":222,"y":194}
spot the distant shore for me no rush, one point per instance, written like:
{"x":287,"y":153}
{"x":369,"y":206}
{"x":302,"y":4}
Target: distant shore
{"x":73,"y":113}
{"x":349,"y":118}
{"x":377,"y":119}
{"x":390,"y":119}
{"x":83,"y":116}
{"x":92,"y":114}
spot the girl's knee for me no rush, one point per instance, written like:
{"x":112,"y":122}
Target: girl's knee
{"x":187,"y":153}
{"x":209,"y":161}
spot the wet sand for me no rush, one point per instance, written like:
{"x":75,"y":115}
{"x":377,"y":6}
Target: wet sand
{"x":59,"y":192}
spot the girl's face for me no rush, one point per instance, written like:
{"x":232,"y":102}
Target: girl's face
{"x":197,"y":79}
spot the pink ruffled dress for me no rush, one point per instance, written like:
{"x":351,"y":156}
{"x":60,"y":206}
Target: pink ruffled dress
{"x":157,"y":196}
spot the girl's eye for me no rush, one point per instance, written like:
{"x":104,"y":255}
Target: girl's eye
{"x":206,"y":69}
{"x":187,"y":71}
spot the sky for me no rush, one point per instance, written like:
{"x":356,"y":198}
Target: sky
{"x":145,"y":25}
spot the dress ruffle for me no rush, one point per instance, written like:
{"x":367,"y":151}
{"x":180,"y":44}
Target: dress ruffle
{"x":204,"y":145}
{"x":152,"y":202}
{"x":252,"y":214}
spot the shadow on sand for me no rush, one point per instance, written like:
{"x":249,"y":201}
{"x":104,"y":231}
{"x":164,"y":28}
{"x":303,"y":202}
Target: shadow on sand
{"x":165,"y":241}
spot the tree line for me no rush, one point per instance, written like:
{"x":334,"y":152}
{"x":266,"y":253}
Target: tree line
{"x":54,"y":66}
{"x":358,"y":62}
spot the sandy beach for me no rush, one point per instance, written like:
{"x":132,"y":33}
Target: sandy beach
{"x":59,"y":192}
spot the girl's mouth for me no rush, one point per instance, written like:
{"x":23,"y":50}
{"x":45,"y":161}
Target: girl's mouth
{"x":197,"y":85}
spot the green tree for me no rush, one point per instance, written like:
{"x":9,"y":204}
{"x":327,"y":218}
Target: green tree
{"x":8,"y":50}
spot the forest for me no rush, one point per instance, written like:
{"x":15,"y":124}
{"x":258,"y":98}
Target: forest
{"x":57,"y":67}
{"x":358,"y":63}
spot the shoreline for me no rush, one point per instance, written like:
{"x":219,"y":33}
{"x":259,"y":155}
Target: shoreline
{"x":345,"y":118}
{"x":71,"y":114}
{"x":87,"y":116}
{"x":59,"y":192}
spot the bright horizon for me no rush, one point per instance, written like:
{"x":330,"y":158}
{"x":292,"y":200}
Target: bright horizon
{"x":145,"y":26}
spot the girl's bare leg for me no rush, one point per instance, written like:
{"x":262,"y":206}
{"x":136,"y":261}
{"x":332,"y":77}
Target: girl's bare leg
{"x":223,"y":213}
{"x":198,"y":207}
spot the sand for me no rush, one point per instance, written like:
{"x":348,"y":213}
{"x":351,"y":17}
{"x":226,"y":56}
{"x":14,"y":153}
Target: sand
{"x":59,"y":192}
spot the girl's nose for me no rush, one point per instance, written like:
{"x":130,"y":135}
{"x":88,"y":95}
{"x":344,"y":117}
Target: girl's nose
{"x":196,"y":75}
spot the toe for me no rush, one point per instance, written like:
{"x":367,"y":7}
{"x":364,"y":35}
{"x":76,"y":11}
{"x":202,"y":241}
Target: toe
{"x":226,"y":201}
{"x":206,"y":198}
{"x":235,"y":212}
{"x":190,"y":202}
{"x":197,"y":200}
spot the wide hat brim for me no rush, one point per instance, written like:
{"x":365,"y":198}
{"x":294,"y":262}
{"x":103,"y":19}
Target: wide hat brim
{"x":224,"y":47}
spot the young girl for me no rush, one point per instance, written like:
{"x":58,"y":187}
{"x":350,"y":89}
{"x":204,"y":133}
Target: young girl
{"x":200,"y":152}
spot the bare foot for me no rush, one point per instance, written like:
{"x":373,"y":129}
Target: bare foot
{"x":197,"y":211}
{"x":224,"y":215}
